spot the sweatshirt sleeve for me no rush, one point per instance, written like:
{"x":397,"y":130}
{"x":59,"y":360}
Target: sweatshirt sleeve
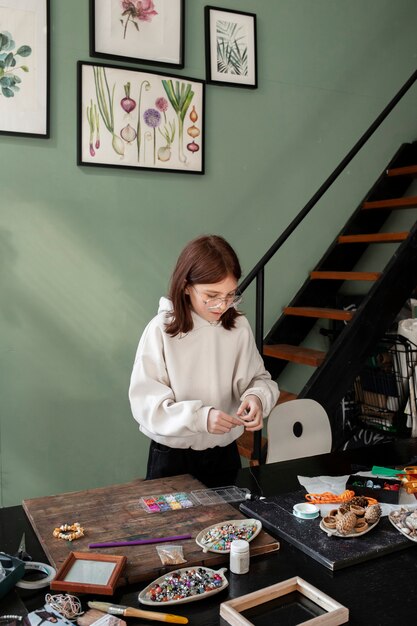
{"x":258,"y":380}
{"x":151,"y":398}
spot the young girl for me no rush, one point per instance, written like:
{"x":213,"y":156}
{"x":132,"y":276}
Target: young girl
{"x":198,"y":380}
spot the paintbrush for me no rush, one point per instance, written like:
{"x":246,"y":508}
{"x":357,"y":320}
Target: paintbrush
{"x":128,"y":611}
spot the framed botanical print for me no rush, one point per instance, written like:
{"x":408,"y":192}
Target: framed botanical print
{"x":139,"y":31}
{"x":230,"y":48}
{"x":24,"y":67}
{"x":133,"y":118}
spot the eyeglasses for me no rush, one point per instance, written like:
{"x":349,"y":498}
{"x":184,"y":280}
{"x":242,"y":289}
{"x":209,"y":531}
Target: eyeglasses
{"x":216,"y":303}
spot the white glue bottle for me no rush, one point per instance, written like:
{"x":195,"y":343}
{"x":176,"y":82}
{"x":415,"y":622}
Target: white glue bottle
{"x":239,"y":556}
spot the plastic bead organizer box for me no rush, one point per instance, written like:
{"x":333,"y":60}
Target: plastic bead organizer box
{"x":183,"y":500}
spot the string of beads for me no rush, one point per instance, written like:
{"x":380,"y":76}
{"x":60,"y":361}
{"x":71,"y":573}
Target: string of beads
{"x":65,"y":604}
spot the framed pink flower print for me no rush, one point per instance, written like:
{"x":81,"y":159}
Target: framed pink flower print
{"x":144,"y":31}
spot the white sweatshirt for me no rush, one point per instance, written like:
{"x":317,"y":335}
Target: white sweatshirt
{"x":177,"y":380}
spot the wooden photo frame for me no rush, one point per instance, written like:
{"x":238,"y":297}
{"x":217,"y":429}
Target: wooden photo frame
{"x":231,"y":56}
{"x":335,"y":613}
{"x":138,"y":31}
{"x":133,"y":118}
{"x":88,"y":572}
{"x":24,"y":65}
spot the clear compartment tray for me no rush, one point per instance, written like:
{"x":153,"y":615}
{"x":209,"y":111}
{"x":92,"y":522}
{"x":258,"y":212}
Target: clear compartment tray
{"x":177,"y":501}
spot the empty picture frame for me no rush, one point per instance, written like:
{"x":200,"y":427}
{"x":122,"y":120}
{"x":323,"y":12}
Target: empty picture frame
{"x":133,"y":118}
{"x":335,"y":613}
{"x":231,"y":57}
{"x":88,"y":572}
{"x":150,"y":31}
{"x":24,"y":67}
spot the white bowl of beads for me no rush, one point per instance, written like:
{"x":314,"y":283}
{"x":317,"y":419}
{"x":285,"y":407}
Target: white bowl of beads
{"x":186,"y":584}
{"x":218,"y":537}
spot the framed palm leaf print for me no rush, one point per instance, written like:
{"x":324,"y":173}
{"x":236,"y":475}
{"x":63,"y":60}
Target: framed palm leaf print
{"x":230,"y":48}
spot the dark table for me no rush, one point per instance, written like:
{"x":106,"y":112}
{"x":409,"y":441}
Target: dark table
{"x":379,"y":592}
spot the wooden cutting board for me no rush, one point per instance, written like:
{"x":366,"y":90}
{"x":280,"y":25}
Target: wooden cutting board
{"x":114,"y":514}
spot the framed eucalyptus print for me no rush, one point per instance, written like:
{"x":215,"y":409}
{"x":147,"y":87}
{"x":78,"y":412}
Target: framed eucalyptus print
{"x":145,"y":31}
{"x":133,"y":118}
{"x":24,"y":67}
{"x":230,"y":47}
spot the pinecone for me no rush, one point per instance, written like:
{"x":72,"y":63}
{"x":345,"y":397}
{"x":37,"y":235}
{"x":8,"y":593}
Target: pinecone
{"x":346,"y":523}
{"x":373,"y":513}
{"x":359,"y":500}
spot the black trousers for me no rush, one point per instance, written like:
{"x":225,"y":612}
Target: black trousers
{"x":215,"y":467}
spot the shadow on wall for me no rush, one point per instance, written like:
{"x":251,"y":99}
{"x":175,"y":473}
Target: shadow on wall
{"x":69,"y":335}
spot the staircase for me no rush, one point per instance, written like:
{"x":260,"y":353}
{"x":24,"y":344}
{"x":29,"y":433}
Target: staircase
{"x":319,"y":297}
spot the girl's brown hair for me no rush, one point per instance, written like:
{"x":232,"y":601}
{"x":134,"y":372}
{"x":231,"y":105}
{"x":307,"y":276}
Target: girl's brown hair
{"x":207,"y":259}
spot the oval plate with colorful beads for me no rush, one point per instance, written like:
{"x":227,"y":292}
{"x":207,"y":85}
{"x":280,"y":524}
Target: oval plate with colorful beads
{"x":218,"y":537}
{"x":184,"y":585}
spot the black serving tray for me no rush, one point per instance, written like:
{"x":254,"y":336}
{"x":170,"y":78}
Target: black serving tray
{"x":335,"y":553}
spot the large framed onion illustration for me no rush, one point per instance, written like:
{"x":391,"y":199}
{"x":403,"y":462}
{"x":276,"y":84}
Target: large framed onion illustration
{"x":24,"y":67}
{"x":131,"y":118}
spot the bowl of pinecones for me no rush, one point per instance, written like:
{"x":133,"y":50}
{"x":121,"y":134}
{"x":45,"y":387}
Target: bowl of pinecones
{"x":351,"y":519}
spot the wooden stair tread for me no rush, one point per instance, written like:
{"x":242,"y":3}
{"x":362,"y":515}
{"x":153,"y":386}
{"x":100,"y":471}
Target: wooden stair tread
{"x":393,"y":203}
{"x":295,"y":354}
{"x":403,"y":171}
{"x":245,"y":444}
{"x":245,"y":441}
{"x":321,"y":275}
{"x":286,"y":396}
{"x":320,"y":313}
{"x":374,"y":238}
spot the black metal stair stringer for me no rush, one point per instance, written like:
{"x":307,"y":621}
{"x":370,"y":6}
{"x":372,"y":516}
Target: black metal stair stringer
{"x":330,"y":382}
{"x":293,"y":330}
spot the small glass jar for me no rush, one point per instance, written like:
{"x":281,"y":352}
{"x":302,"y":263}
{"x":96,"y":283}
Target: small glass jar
{"x":239,"y":556}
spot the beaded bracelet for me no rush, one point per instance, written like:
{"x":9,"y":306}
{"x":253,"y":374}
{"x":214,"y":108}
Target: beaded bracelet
{"x":69,"y":532}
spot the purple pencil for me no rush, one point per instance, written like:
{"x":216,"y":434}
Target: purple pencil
{"x":138,"y":542}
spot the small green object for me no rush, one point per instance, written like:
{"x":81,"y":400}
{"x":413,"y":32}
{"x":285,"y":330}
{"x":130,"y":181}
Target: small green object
{"x":386,"y":471}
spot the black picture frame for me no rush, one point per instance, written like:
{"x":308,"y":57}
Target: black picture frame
{"x":25,"y":90}
{"x":231,"y":47}
{"x":162,"y":42}
{"x":139,"y":119}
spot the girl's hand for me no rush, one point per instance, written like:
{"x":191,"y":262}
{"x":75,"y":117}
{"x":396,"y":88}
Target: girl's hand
{"x":251,"y":413}
{"x":219,"y":423}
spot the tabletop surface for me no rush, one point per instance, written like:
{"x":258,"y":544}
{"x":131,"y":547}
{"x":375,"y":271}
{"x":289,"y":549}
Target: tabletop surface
{"x":114,"y":513}
{"x":378,"y":592}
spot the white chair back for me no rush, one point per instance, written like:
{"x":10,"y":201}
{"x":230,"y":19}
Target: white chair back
{"x":296,"y":429}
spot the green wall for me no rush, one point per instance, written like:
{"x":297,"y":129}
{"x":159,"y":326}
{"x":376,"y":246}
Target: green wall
{"x":85,"y":253}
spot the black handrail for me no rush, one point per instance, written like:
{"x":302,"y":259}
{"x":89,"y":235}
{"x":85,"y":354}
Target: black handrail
{"x":258,"y":271}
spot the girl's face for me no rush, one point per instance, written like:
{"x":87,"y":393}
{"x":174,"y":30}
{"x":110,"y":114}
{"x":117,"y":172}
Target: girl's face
{"x":211,"y":300}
